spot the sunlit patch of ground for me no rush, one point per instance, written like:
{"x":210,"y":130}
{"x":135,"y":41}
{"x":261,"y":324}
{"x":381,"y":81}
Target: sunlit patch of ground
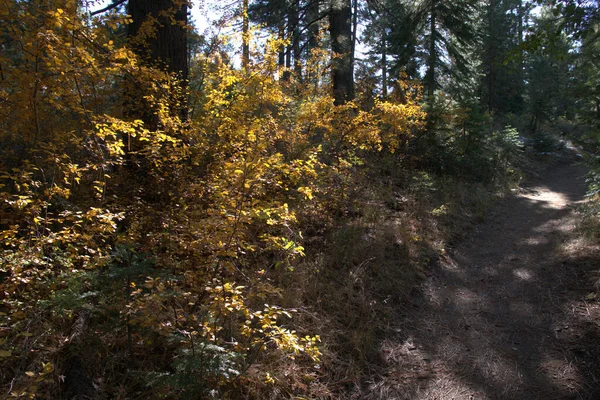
{"x":562,"y":373}
{"x":524,"y":274}
{"x":505,"y":315}
{"x":547,"y":198}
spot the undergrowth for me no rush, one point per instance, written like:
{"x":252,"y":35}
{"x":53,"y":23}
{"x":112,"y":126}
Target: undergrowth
{"x":364,"y":268}
{"x":258,"y":250}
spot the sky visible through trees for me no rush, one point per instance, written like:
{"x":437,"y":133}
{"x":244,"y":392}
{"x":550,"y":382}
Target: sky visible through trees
{"x":230,"y":212}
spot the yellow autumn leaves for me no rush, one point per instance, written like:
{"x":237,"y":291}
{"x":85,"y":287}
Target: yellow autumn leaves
{"x":217,"y":202}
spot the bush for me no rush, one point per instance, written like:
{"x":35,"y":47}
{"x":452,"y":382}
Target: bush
{"x":176,"y":233}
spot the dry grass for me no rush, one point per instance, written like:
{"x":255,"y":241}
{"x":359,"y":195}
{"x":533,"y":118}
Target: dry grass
{"x":359,"y":282}
{"x":481,"y":334}
{"x":359,"y":279}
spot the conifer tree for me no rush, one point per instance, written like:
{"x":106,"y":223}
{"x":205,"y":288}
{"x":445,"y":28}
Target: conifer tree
{"x":297,"y":22}
{"x":447,"y":38}
{"x":502,"y":58}
{"x":549,"y":89}
{"x":342,"y":64}
{"x":159,"y":31}
{"x":432,"y":36}
{"x":390,"y":35}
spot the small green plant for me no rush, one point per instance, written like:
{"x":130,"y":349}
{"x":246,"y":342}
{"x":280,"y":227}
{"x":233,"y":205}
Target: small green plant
{"x":507,"y":146}
{"x":544,"y":142}
{"x":197,"y":370}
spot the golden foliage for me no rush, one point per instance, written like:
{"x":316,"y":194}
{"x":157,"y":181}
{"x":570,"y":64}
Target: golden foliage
{"x":189,"y":218}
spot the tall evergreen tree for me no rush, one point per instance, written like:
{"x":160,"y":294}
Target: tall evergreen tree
{"x":449,"y":33}
{"x":391,"y":36}
{"x":502,"y":58}
{"x":581,"y":20}
{"x":550,"y":88}
{"x":342,"y":64}
{"x":296,"y":21}
{"x":165,"y":40}
{"x":587,"y":75}
{"x":430,"y":36}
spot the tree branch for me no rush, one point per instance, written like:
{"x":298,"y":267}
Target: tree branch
{"x":109,"y":7}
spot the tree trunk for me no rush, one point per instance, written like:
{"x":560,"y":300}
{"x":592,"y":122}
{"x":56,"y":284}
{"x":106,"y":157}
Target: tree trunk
{"x":430,"y":75}
{"x":281,"y":53}
{"x":288,"y":63}
{"x":521,"y":73}
{"x":312,"y":14}
{"x":295,"y":30}
{"x":384,"y":82}
{"x":296,"y":40}
{"x":245,"y":35}
{"x":492,"y":58}
{"x":354,"y":29}
{"x":340,"y":29}
{"x":169,"y":47}
{"x":289,"y":48}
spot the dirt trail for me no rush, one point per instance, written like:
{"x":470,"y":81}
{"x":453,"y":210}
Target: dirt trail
{"x":505,"y":315}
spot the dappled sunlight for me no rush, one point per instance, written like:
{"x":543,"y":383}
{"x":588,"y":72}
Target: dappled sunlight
{"x":523,"y":274}
{"x":467,"y":298}
{"x":561,"y":371}
{"x":555,"y":226}
{"x":548,"y":198}
{"x":487,"y":326}
{"x":499,"y":369}
{"x":537,"y":240}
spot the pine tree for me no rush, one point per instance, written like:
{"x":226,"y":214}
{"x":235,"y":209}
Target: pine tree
{"x":342,"y":64}
{"x":296,"y":21}
{"x":391,"y":36}
{"x":549,"y":89}
{"x":165,"y":41}
{"x":502,"y":58}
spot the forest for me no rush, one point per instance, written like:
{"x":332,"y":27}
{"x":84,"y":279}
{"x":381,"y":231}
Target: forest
{"x":240,"y":212}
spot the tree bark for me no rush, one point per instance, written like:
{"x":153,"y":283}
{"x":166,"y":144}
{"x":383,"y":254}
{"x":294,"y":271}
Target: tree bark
{"x":281,"y":53}
{"x":342,"y":71}
{"x":384,"y":82}
{"x":354,"y":28}
{"x":431,"y":61}
{"x":168,"y":47}
{"x":292,"y":55}
{"x":295,"y":22}
{"x":521,"y":73}
{"x":312,"y":15}
{"x":430,"y":75}
{"x":288,"y":63}
{"x":162,"y":43}
{"x":245,"y":35}
{"x":492,"y":58}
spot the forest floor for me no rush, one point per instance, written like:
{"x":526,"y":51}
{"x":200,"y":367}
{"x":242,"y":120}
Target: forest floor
{"x":512,"y":311}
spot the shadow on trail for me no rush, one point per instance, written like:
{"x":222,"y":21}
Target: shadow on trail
{"x":504,"y":315}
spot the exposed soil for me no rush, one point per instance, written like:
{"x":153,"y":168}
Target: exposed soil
{"x":511,"y":312}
